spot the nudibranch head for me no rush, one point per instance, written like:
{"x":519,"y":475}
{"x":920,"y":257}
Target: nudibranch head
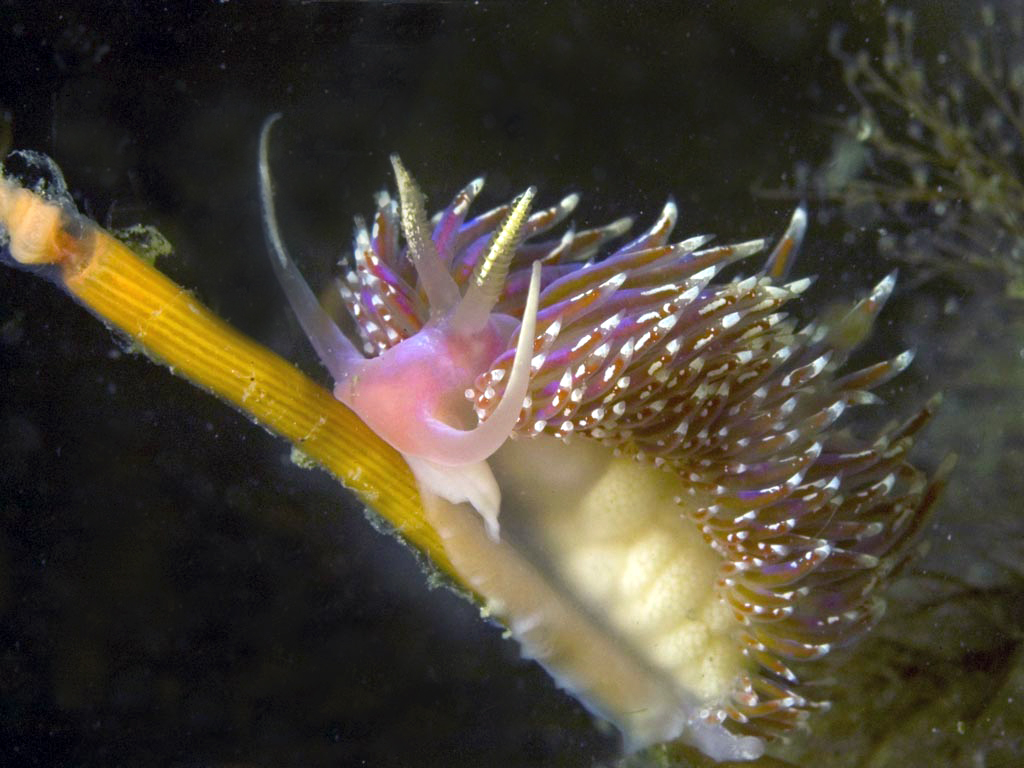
{"x":681,"y":518}
{"x":437,"y":355}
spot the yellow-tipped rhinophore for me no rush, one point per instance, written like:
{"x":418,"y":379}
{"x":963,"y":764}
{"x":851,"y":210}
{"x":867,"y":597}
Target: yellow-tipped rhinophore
{"x":172,"y":327}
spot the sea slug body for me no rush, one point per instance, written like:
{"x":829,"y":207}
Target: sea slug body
{"x":676,"y":518}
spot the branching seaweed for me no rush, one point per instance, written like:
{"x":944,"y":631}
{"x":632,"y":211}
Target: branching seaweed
{"x":932,"y":159}
{"x":936,"y":150}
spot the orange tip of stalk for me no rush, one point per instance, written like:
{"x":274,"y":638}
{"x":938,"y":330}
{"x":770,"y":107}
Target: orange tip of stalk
{"x":32,"y":223}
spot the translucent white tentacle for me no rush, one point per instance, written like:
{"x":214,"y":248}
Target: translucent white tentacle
{"x":455,"y":446}
{"x":335,"y":351}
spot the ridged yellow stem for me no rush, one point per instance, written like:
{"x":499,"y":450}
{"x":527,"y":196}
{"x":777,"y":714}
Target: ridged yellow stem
{"x":167,"y":322}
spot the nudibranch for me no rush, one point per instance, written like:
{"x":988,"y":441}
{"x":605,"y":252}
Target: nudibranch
{"x":635,"y":466}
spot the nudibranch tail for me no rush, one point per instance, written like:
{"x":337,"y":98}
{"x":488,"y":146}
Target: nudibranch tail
{"x":335,"y":351}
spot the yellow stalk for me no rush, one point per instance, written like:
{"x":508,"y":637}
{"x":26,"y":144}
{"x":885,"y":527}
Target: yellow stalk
{"x":173,"y":328}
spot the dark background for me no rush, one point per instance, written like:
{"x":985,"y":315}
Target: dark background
{"x":172,"y":589}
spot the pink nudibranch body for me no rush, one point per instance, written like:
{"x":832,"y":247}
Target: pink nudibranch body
{"x":680,"y":520}
{"x":440,"y":363}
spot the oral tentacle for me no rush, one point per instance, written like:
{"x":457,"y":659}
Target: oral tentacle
{"x":335,"y":351}
{"x":436,"y":280}
{"x":456,"y":447}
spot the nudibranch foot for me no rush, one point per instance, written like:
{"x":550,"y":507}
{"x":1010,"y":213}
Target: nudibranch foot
{"x":682,"y":520}
{"x":470,"y":483}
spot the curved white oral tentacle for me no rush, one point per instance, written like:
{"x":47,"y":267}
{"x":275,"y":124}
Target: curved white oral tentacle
{"x":457,"y":446}
{"x":335,"y":351}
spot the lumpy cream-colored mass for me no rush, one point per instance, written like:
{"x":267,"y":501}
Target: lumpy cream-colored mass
{"x":627,"y":549}
{"x":606,"y":582}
